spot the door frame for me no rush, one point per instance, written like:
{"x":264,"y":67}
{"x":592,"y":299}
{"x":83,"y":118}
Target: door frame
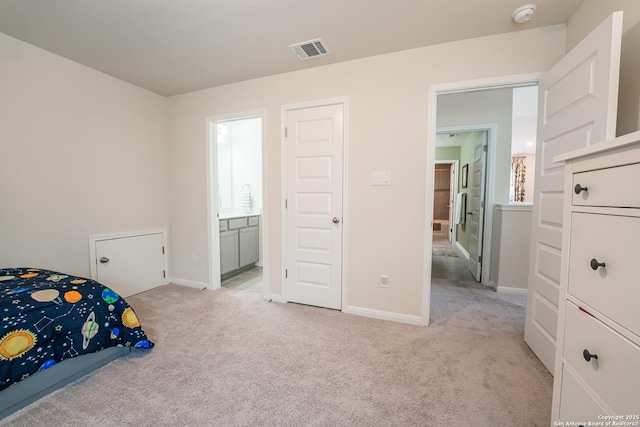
{"x":501,"y":82}
{"x":344,"y":100}
{"x":456,"y":167}
{"x":492,"y":132}
{"x":213,"y":225}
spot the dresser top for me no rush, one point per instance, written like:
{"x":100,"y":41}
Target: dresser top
{"x":621,"y":142}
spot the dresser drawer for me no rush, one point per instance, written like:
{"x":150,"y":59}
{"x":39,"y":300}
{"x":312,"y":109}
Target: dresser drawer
{"x":615,"y":288}
{"x":223,"y":225}
{"x":614,"y":375}
{"x":576,"y":403}
{"x":253,"y":220}
{"x":606,"y":187}
{"x":237,"y":223}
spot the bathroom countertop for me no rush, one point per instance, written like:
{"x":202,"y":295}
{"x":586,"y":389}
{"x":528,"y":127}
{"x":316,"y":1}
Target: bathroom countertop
{"x":237,"y":215}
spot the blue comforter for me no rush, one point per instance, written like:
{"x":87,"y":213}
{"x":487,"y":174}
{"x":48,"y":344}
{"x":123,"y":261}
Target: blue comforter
{"x":46,"y":317}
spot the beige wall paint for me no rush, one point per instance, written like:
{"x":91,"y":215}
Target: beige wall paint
{"x":510,"y":249}
{"x":388,"y":131}
{"x":82,"y":153}
{"x":584,"y":20}
{"x":481,"y":108}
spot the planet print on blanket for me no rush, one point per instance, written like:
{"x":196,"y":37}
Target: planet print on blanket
{"x":72,"y":296}
{"x":89,"y":329}
{"x":53,"y":316}
{"x":129,"y":318}
{"x":16,"y":343}
{"x":109,"y":296}
{"x":47,"y":295}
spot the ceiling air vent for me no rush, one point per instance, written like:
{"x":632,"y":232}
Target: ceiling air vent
{"x":310,"y":49}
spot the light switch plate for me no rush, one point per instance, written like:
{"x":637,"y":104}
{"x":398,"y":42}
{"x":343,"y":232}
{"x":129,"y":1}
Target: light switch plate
{"x":381,"y":178}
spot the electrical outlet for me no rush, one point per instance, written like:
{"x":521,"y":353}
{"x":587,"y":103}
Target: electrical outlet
{"x":384,"y":281}
{"x":195,"y":259}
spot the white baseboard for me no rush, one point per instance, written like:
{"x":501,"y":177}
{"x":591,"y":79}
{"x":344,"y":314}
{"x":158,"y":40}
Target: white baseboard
{"x":463,"y":250}
{"x":189,"y":283}
{"x":384,"y":315}
{"x":511,"y":291}
{"x":275,"y":298}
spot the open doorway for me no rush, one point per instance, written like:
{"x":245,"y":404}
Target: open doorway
{"x":236,"y":204}
{"x":461,"y":111}
{"x":445,"y":190}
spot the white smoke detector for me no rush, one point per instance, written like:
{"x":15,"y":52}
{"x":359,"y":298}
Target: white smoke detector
{"x":524,"y":13}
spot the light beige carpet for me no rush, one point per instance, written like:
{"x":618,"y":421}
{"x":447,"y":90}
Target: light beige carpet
{"x":443,"y":248}
{"x":228,"y":358}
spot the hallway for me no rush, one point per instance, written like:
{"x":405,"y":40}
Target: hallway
{"x":453,"y":288}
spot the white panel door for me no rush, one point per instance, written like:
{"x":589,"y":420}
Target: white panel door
{"x":477,"y":207}
{"x":577,"y":108}
{"x":314,"y":150}
{"x":130,"y":265}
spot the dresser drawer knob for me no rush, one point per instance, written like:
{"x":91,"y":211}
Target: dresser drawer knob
{"x":595,"y":264}
{"x":588,"y":356}
{"x":579,"y":189}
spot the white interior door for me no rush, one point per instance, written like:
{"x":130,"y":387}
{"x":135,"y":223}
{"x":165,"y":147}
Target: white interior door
{"x":577,"y":108}
{"x":477,"y":207}
{"x":314,"y":152}
{"x":131,"y":264}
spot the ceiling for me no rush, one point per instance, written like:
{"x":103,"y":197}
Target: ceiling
{"x":176,"y":46}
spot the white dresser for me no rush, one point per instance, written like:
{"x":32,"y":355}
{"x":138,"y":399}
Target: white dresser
{"x":597,"y":370}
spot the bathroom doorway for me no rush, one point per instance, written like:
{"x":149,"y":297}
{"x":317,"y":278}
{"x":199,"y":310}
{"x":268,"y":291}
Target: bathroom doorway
{"x":236,"y":202}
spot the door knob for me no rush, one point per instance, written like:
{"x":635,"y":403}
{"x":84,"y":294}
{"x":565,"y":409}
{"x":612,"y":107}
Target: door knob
{"x":104,"y":260}
{"x":335,"y":220}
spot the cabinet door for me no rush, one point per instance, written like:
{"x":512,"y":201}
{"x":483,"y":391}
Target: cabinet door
{"x":229,"y":251}
{"x":248,"y":245}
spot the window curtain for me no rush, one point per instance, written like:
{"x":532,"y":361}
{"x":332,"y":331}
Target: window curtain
{"x":519,"y":169}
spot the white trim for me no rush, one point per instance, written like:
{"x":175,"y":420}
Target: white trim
{"x":384,"y":315}
{"x":521,"y":206}
{"x":511,"y":291}
{"x":432,"y":101}
{"x":94,"y":238}
{"x":189,"y":283}
{"x":462,"y":250}
{"x":344,"y":100}
{"x":213,"y":227}
{"x":275,"y":298}
{"x":487,"y":228}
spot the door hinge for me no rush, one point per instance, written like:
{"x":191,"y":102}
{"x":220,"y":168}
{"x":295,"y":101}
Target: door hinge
{"x":286,"y":132}
{"x":164,"y":273}
{"x":484,"y":148}
{"x":286,"y":273}
{"x":480,"y":259}
{"x":286,"y":203}
{"x":163,"y":250}
{"x":482,"y":204}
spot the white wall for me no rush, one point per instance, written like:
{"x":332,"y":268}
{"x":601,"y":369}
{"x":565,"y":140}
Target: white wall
{"x":82,"y":153}
{"x":388,"y":131}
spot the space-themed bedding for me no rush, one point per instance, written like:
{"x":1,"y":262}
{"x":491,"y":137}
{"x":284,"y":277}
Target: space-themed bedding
{"x":46,"y":317}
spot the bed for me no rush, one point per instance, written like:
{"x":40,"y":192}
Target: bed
{"x":55,"y":328}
